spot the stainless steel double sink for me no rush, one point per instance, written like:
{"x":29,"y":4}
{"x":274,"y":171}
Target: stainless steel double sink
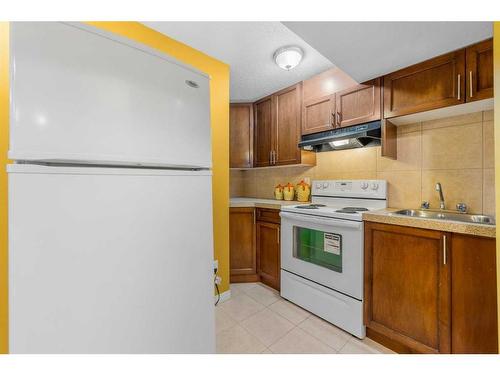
{"x":448,"y":216}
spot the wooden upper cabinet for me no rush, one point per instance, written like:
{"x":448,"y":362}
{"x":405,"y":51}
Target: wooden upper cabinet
{"x":263,"y":132}
{"x":241,"y":135}
{"x":432,"y":84}
{"x":473,"y":295}
{"x":327,"y":83}
{"x":359,"y":104}
{"x":407,"y":286}
{"x":318,"y":114}
{"x":479,"y":71}
{"x":277,"y":129}
{"x":287,"y":125}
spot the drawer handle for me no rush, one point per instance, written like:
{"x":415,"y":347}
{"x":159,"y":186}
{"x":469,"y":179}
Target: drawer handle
{"x":458,"y":86}
{"x":470,"y":83}
{"x":444,"y":250}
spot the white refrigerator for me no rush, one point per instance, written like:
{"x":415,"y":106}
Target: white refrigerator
{"x":110,"y":202}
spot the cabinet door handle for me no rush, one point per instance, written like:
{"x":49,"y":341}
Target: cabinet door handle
{"x":278,"y":234}
{"x":458,"y":87}
{"x":444,"y":250}
{"x":339,"y":118}
{"x":274,"y":157}
{"x":470,"y":83}
{"x":333,"y":120}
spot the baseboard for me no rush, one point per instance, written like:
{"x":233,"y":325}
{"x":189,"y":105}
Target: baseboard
{"x":244,"y":278}
{"x":223,"y":296}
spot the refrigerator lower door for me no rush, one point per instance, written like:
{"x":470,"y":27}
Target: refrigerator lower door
{"x":110,"y":261}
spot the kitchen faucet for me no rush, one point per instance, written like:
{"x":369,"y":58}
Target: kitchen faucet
{"x":439,"y":189}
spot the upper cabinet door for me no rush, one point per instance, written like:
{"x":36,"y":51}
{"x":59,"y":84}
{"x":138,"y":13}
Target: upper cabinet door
{"x":287,"y":121}
{"x":241,"y":135}
{"x":479,"y":71}
{"x":318,"y":115}
{"x":432,"y":84}
{"x":358,"y":104}
{"x":79,"y":94}
{"x":263,"y":134}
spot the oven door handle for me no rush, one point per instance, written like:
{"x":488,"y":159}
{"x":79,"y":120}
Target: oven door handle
{"x":321,"y":220}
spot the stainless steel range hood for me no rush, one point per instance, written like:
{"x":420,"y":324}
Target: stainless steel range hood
{"x":365,"y":135}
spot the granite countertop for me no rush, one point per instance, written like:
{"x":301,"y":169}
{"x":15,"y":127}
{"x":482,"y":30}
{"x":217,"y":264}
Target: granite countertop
{"x":387,"y":216}
{"x":261,"y":203}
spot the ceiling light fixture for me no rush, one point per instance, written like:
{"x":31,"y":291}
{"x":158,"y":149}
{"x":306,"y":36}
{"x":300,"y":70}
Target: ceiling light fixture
{"x":288,"y":57}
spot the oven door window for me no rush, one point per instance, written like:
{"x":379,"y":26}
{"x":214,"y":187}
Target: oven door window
{"x":321,"y":248}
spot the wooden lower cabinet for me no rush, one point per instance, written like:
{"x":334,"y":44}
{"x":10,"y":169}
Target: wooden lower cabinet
{"x":254,"y":246}
{"x":407,"y":286}
{"x":473,"y":295}
{"x":268,"y":253}
{"x":428,"y":291}
{"x":242,"y":254}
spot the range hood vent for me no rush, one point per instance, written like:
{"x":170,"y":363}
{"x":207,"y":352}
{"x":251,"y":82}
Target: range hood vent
{"x":365,"y":135}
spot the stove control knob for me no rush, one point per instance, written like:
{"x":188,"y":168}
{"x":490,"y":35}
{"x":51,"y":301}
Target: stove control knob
{"x":325,"y":185}
{"x":319,"y":186}
{"x":374,"y":186}
{"x":364,"y":185}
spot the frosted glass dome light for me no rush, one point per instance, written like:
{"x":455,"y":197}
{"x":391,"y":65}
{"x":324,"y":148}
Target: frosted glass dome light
{"x":288,"y":57}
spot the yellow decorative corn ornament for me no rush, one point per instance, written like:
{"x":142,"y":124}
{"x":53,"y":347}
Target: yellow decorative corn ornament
{"x":289,"y":192}
{"x":278,"y":192}
{"x":303,"y":191}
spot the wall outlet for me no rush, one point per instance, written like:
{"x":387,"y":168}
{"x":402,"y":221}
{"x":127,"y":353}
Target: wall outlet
{"x":307,"y":180}
{"x":218,"y":280}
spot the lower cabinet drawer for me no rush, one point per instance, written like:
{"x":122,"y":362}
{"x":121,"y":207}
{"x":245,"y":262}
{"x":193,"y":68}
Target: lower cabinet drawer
{"x":268,"y":215}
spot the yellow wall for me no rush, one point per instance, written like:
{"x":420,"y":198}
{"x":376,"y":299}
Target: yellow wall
{"x":496,"y":52}
{"x":219,"y":108}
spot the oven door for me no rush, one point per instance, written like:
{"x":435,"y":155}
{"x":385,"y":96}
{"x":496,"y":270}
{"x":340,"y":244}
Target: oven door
{"x":324,"y":250}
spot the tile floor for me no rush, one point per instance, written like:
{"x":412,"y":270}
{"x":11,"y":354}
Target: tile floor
{"x":257,"y":320}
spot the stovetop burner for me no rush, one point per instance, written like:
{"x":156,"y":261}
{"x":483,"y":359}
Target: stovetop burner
{"x":311,"y":206}
{"x":352,"y":210}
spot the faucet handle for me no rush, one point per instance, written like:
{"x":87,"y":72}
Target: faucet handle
{"x":462,"y":208}
{"x":425,"y":205}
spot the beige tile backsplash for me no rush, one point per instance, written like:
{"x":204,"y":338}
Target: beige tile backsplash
{"x":456,"y":151}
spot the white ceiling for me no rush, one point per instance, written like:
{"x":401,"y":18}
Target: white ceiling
{"x":248,"y":48}
{"x":366,"y":50}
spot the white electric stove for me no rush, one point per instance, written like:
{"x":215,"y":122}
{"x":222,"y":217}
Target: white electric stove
{"x":322,"y":250}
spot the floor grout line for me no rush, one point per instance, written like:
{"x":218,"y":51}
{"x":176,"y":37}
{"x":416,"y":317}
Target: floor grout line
{"x":293,"y":325}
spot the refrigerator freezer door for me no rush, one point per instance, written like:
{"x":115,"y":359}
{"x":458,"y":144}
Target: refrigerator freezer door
{"x":86,"y":96}
{"x":110,"y":261}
